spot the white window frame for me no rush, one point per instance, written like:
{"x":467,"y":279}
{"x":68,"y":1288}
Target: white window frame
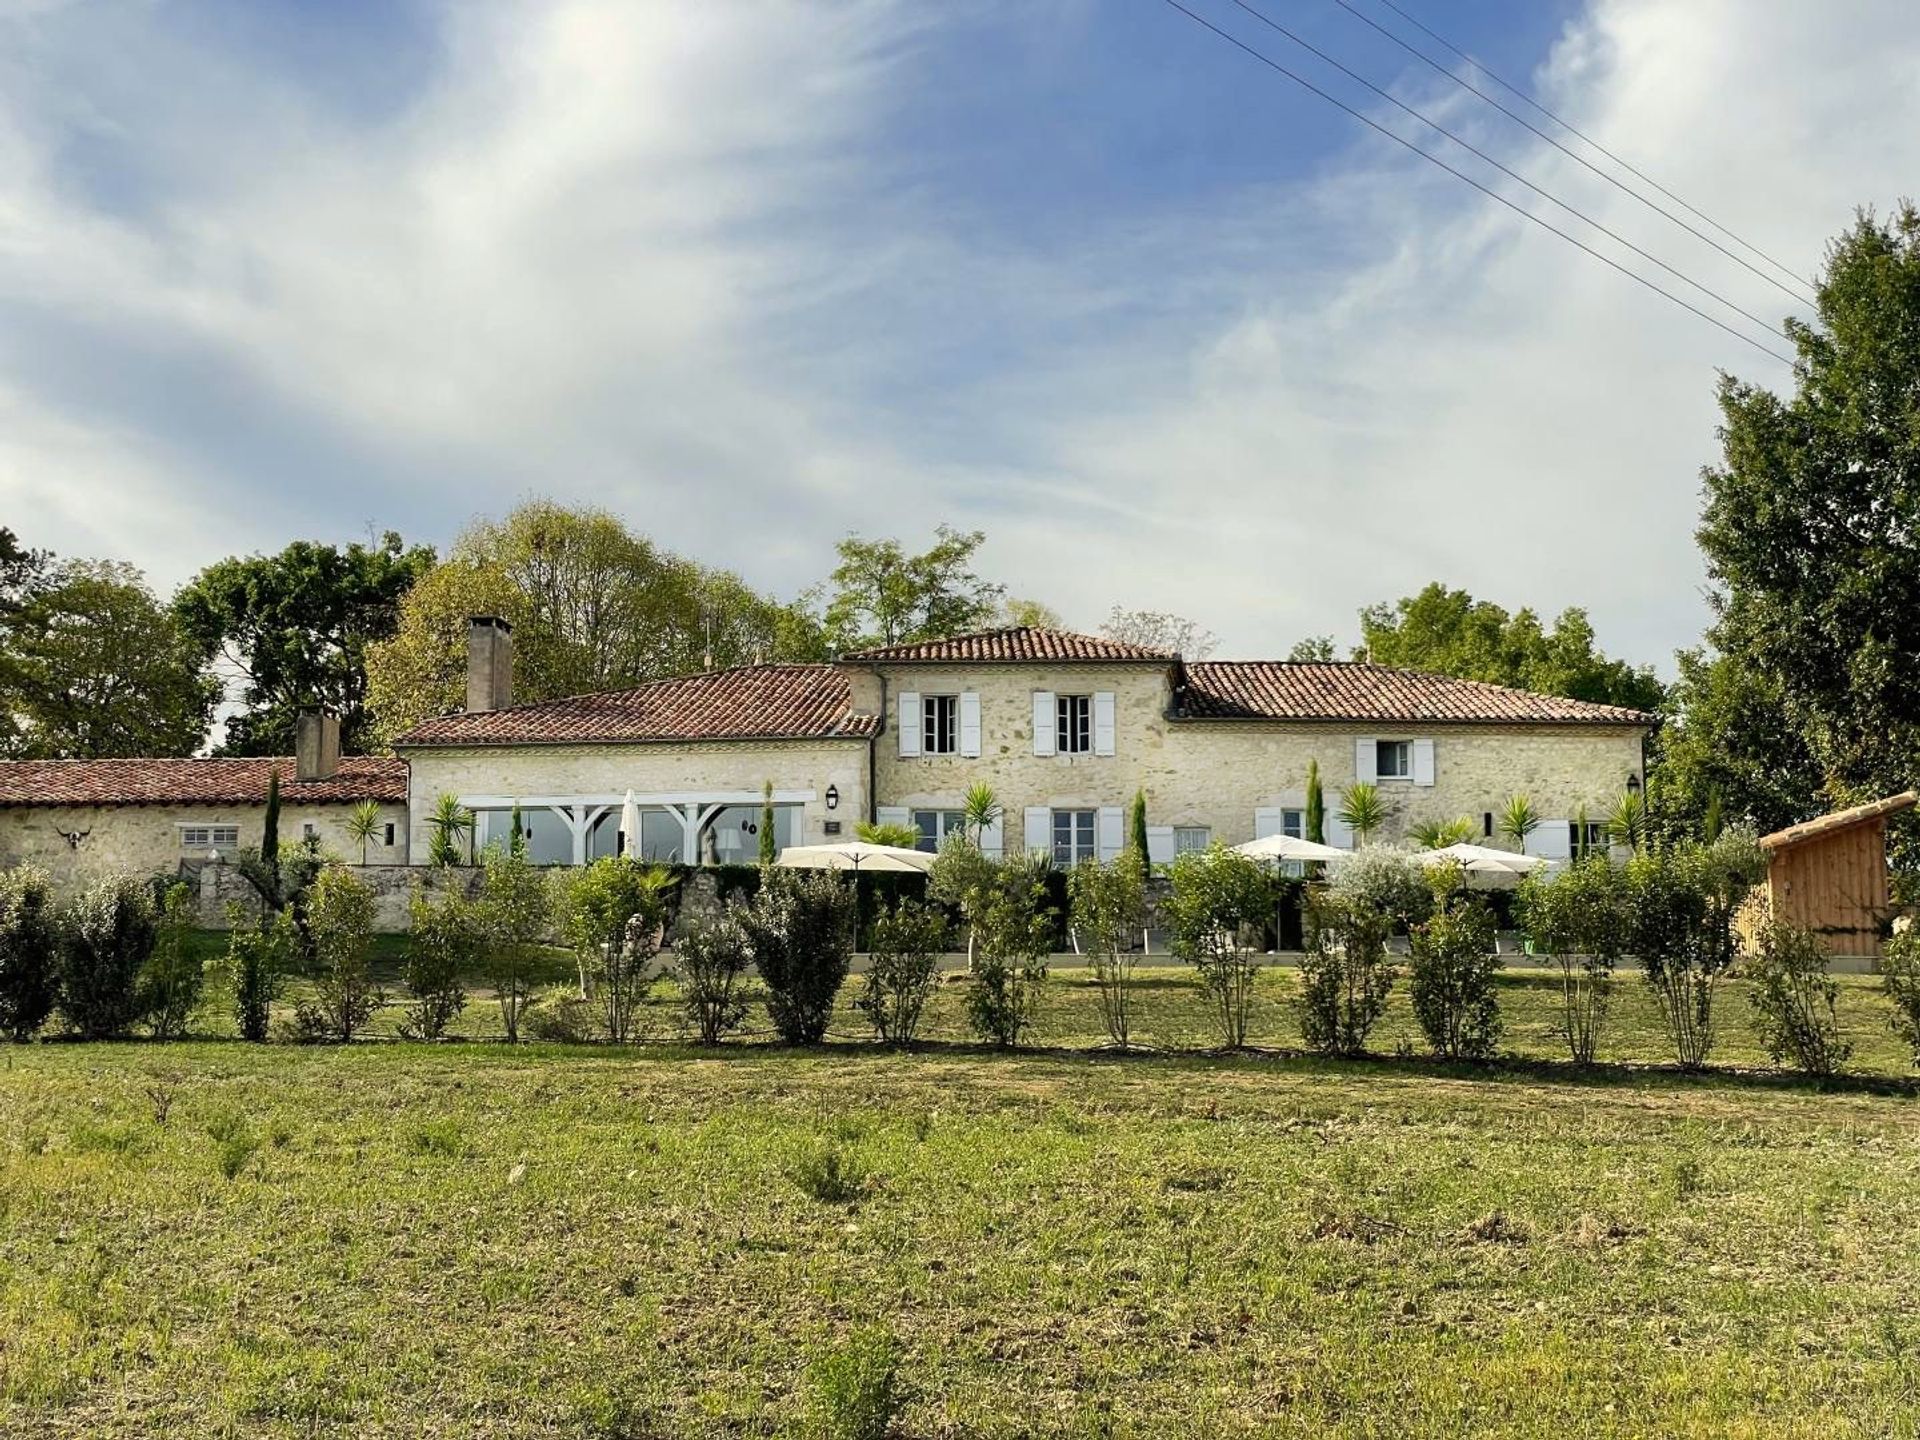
{"x":1595,"y":840}
{"x":1401,"y":749}
{"x":1293,"y":823}
{"x":1083,"y":836}
{"x":934,"y":708}
{"x":1187,"y":839}
{"x":208,"y":835}
{"x":1073,"y":724}
{"x":946,"y":823}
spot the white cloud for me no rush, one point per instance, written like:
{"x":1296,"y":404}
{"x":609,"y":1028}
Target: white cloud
{"x":662,"y":258}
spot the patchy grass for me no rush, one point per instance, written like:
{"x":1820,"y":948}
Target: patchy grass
{"x":468,"y":1240}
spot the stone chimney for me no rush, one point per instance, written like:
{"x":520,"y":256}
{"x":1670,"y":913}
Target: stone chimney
{"x":316,"y":745}
{"x":489,"y":663}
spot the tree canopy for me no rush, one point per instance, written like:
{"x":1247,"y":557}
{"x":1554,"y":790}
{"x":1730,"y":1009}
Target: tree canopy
{"x":95,"y":667}
{"x":1811,"y":533}
{"x":594,"y":606}
{"x":1448,"y":632}
{"x":295,"y":627}
{"x":1159,"y":630}
{"x":881,"y":595}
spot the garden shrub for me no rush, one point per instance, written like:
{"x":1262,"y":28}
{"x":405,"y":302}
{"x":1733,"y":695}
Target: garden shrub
{"x":260,"y":953}
{"x":614,"y":914}
{"x":1345,"y":973}
{"x":1108,"y":907}
{"x":1681,"y":903}
{"x":854,"y":1390}
{"x":903,"y":959}
{"x":711,"y":955}
{"x":29,"y":951}
{"x":1580,"y":918}
{"x":1900,"y":976}
{"x":1450,"y":980}
{"x":828,"y":1172}
{"x":174,"y":978}
{"x":1220,"y":901}
{"x":445,"y":942}
{"x":106,"y":940}
{"x":1793,"y":999}
{"x":800,"y":928}
{"x":1012,"y":926}
{"x":515,"y":905}
{"x":340,"y":927}
{"x":559,"y":1017}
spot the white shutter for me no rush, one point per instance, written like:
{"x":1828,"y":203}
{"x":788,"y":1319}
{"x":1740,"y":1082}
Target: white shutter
{"x":1268,"y":820}
{"x":893,"y":815}
{"x":1039,"y":829}
{"x":1160,"y":844}
{"x":1043,"y":723}
{"x":1423,"y":762}
{"x":909,"y":724}
{"x":970,"y":724}
{"x":1103,"y":722}
{"x":1109,"y":830}
{"x":1339,"y":834}
{"x":1552,"y":841}
{"x":992,"y":840}
{"x":1366,"y":761}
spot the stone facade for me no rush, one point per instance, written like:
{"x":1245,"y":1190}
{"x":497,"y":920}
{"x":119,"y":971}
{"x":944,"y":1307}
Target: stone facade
{"x":142,"y":839}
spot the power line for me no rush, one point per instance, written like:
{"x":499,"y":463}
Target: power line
{"x":1525,"y":214}
{"x":1425,"y":59}
{"x":1472,"y":149}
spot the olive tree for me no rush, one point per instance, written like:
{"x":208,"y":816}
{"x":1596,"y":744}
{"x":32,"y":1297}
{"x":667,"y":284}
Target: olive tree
{"x":1221,"y":899}
{"x":1579,"y":917}
{"x":1345,"y":973}
{"x":1108,"y":906}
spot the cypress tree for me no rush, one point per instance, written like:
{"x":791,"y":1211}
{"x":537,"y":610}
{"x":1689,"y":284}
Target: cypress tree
{"x":1316,"y":816}
{"x":1137,"y":825}
{"x":270,"y":834}
{"x":769,"y":851}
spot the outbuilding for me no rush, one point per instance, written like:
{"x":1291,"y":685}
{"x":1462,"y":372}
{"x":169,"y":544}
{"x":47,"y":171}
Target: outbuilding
{"x":1830,"y":875}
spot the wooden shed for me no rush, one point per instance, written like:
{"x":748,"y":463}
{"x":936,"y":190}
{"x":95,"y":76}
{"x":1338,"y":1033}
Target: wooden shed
{"x":1830,"y":875}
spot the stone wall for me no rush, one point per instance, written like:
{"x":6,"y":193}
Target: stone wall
{"x":144,"y":839}
{"x":222,"y":887}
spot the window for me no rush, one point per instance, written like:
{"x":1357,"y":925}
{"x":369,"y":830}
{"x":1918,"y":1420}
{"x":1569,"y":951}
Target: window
{"x":939,"y":724}
{"x":389,"y":839}
{"x":1293,"y":824}
{"x":209,"y":837}
{"x":1393,"y":760}
{"x":935,"y":826}
{"x":1589,"y":837}
{"x":1073,"y":836}
{"x":1188,"y":838}
{"x":309,"y":830}
{"x":1073,"y":726}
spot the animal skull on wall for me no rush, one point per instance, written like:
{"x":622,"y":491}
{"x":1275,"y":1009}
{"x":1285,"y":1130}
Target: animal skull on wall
{"x":72,"y":837}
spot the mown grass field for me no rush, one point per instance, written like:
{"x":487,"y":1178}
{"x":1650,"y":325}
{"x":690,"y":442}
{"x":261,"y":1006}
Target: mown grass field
{"x":467,"y":1239}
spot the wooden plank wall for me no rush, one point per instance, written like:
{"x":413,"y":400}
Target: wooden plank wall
{"x":1835,"y":885}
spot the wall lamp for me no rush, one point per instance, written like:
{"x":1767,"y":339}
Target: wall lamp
{"x":833,"y":797}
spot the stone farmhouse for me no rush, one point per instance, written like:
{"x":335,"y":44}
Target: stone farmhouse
{"x":1064,"y":727}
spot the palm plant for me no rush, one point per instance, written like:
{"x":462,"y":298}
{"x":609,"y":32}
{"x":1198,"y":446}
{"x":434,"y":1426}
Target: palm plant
{"x":363,"y":823}
{"x":449,"y":821}
{"x":904,"y":837}
{"x":1438,"y":834}
{"x":1519,"y":820}
{"x":982,"y":810}
{"x":1362,"y":810}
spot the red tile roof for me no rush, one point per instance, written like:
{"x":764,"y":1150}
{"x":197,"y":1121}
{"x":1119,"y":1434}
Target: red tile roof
{"x":196,"y":782}
{"x":1337,"y":690}
{"x":754,"y":702}
{"x":1015,"y":645}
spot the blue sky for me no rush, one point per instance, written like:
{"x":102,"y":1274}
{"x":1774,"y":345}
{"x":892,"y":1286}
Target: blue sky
{"x":753,"y":274}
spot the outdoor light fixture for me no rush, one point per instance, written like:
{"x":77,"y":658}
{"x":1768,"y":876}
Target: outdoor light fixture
{"x":1633,"y":784}
{"x":833,"y":797}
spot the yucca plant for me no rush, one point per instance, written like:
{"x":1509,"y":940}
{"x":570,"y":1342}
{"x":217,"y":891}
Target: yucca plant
{"x":1519,"y":820}
{"x":449,"y":821}
{"x":1362,"y":810}
{"x":363,"y":823}
{"x":904,"y":837}
{"x":982,"y":809}
{"x":1438,"y":834}
{"x":1627,"y":824}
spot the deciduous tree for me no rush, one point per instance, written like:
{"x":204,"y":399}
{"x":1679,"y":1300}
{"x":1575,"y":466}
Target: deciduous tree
{"x":881,"y":595}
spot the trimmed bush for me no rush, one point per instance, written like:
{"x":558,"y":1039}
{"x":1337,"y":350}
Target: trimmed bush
{"x":1681,"y":905}
{"x":1579,"y":918}
{"x":259,"y":956}
{"x":800,"y":928}
{"x":1220,"y":903}
{"x":340,"y":925}
{"x":515,"y":905}
{"x":1109,"y":906}
{"x":1793,"y":1000}
{"x":445,"y":941}
{"x":1345,"y":973}
{"x":1013,"y":929}
{"x":29,"y":952}
{"x":175,"y":977}
{"x":711,"y":956}
{"x":614,"y":914}
{"x":903,"y":959}
{"x":106,"y":940}
{"x":1900,"y":975}
{"x":1450,"y":980}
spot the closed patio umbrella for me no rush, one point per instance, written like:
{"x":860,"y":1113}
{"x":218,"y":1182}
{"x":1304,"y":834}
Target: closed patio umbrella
{"x":630,"y":827}
{"x":854,"y":855}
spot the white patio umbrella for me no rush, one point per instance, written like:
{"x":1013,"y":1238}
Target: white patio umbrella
{"x":1290,"y":847}
{"x":854,"y":855}
{"x":1480,"y":859}
{"x":630,"y":826}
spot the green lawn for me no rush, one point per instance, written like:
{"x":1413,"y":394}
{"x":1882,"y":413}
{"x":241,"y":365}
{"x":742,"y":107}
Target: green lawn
{"x":474,"y":1240}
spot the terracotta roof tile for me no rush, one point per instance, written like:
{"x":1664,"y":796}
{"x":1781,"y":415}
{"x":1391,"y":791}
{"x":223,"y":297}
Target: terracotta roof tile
{"x":753,"y":702}
{"x":1335,"y":690}
{"x":196,"y":781}
{"x":1016,"y":645}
